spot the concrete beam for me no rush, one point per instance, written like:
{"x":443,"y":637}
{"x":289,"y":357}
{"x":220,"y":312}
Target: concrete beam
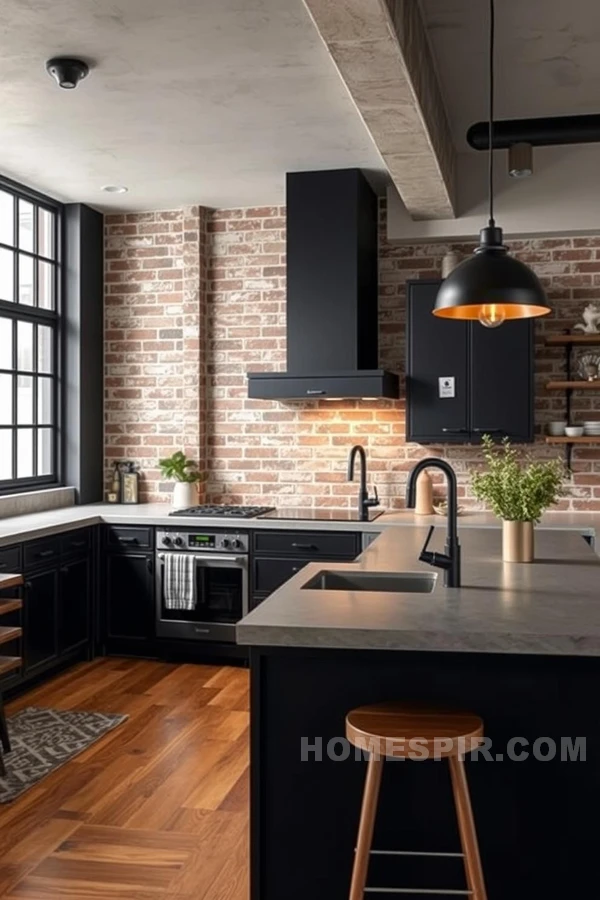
{"x":381,"y":50}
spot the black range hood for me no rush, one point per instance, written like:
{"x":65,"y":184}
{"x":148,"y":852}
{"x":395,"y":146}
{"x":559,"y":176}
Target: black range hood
{"x":332,"y":323}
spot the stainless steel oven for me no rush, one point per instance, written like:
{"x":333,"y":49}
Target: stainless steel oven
{"x":220,"y":573}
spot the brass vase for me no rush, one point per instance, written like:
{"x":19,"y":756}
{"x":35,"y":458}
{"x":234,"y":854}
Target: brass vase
{"x":517,"y":541}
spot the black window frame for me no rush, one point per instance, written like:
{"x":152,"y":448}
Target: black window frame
{"x":38,"y":316}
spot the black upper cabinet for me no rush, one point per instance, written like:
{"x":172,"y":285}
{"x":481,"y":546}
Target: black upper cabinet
{"x":464,"y":380}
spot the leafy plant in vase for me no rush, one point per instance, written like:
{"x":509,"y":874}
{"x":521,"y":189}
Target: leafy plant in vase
{"x":518,"y":489}
{"x":185,"y":473}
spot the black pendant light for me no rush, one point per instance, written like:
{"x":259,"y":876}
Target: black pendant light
{"x":491,"y":286}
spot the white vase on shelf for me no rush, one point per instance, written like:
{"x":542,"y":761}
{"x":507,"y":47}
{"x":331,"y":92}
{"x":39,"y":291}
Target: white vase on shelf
{"x":185,"y":494}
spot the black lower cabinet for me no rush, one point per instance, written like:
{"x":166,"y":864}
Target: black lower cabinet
{"x":74,"y":606}
{"x":129,"y":602}
{"x":279,"y":555}
{"x":40,"y":631}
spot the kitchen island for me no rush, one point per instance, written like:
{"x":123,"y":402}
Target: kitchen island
{"x":516,"y":644}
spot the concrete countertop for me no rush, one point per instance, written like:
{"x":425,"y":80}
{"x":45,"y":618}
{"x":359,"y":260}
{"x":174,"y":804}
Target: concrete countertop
{"x":36,"y":525}
{"x":549,"y":607}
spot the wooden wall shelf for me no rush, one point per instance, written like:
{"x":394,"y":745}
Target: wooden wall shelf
{"x":573,"y":385}
{"x":562,"y":340}
{"x":584,"y":439}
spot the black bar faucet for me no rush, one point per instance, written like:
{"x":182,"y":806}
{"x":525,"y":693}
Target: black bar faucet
{"x":364,"y":501}
{"x":449,"y":561}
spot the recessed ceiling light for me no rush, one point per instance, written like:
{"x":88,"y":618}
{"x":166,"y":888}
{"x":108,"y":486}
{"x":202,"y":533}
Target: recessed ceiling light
{"x":115,"y":188}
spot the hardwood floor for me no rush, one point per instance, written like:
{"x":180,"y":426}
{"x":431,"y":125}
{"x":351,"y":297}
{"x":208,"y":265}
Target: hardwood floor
{"x":156,"y":809}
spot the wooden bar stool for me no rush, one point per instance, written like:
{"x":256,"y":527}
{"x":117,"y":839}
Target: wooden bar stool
{"x":8,"y":664}
{"x":395,"y":730}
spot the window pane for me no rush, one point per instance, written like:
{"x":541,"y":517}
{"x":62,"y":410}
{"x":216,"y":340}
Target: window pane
{"x":44,"y":451}
{"x":7,"y":275}
{"x":24,"y":400}
{"x":44,"y":411}
{"x":45,"y":292}
{"x":24,"y":452}
{"x":7,"y":218}
{"x":6,"y":453}
{"x":25,"y":346}
{"x":26,"y":279}
{"x":44,"y":349}
{"x":6,"y":344}
{"x":26,"y":218}
{"x":6,"y":400}
{"x":45,"y":233}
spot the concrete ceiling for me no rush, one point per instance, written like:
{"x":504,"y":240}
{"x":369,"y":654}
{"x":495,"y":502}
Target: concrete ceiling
{"x":547,"y":58}
{"x":189,"y":101}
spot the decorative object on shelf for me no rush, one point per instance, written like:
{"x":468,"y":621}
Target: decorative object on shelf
{"x":518,"y":489}
{"x":450,"y":261}
{"x":588,"y":366}
{"x":556,"y":429}
{"x":491,"y":286}
{"x":185,"y":473}
{"x":424,"y":502}
{"x":114,"y":495}
{"x":574,"y":430}
{"x":130,"y":483}
{"x":591,"y":317}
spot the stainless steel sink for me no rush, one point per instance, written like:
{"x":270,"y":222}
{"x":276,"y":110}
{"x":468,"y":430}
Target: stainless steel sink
{"x":395,"y":582}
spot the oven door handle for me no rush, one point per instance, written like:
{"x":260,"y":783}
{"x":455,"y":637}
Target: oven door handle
{"x":211,"y":556}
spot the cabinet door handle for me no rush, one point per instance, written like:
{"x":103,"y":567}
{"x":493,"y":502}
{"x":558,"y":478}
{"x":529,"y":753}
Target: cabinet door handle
{"x":3,"y":565}
{"x":455,"y":430}
{"x":78,"y":543}
{"x":310,"y":393}
{"x":43,"y":554}
{"x":304,"y":546}
{"x":29,"y":585}
{"x":150,"y":565}
{"x":64,"y":570}
{"x":488,"y":430}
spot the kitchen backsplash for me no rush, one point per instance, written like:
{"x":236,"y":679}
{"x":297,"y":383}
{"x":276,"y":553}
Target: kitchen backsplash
{"x":196,"y":298}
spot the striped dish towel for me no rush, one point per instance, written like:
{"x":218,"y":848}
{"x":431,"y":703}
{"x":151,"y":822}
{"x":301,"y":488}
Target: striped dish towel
{"x":180,"y":581}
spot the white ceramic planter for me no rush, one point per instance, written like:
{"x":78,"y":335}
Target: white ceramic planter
{"x":185,"y":494}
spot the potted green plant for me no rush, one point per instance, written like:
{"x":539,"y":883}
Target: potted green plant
{"x":518,"y":489}
{"x":185,"y":473}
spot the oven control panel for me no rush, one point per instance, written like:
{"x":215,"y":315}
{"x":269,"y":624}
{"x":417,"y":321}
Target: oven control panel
{"x":201,"y":541}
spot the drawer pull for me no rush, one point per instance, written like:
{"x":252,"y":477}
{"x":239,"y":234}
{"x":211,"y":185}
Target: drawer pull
{"x":3,"y":565}
{"x":78,"y":543}
{"x":127,"y":540}
{"x":455,"y":430}
{"x":304,"y":546}
{"x":315,"y":393}
{"x":44,"y":554}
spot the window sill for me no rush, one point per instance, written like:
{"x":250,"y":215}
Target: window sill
{"x":36,"y":501}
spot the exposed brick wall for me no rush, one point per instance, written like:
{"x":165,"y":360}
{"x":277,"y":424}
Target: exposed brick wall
{"x":155,"y":384}
{"x":293,"y":454}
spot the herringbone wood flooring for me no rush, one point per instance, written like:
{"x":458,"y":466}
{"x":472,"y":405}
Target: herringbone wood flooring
{"x":155,"y":810}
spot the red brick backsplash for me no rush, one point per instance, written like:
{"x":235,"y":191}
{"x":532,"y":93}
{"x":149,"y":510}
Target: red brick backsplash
{"x":195,"y":299}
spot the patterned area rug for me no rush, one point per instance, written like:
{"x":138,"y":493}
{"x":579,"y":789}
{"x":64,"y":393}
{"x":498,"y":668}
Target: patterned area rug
{"x":42,"y":740}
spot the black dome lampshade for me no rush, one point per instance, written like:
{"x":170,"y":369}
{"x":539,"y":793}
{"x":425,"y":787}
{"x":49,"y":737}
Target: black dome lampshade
{"x":491,"y":286}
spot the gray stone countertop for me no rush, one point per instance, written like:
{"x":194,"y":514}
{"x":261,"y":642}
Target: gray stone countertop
{"x":549,"y":607}
{"x":43,"y":524}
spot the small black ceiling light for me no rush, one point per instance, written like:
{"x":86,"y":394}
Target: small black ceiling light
{"x":67,"y":72}
{"x":491,"y":286}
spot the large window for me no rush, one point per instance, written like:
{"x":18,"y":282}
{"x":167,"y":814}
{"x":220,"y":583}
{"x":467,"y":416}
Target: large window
{"x":29,"y":306}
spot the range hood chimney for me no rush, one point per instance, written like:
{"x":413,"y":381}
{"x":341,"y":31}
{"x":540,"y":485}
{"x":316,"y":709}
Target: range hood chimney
{"x":332,"y":323}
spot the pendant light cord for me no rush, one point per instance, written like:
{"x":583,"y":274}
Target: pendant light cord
{"x":491,"y":115}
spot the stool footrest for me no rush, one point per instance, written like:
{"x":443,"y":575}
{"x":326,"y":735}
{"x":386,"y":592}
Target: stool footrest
{"x":440,"y":892}
{"x":416,"y":853}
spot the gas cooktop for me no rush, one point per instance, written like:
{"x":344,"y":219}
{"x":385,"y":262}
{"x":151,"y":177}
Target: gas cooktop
{"x":223,"y":512}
